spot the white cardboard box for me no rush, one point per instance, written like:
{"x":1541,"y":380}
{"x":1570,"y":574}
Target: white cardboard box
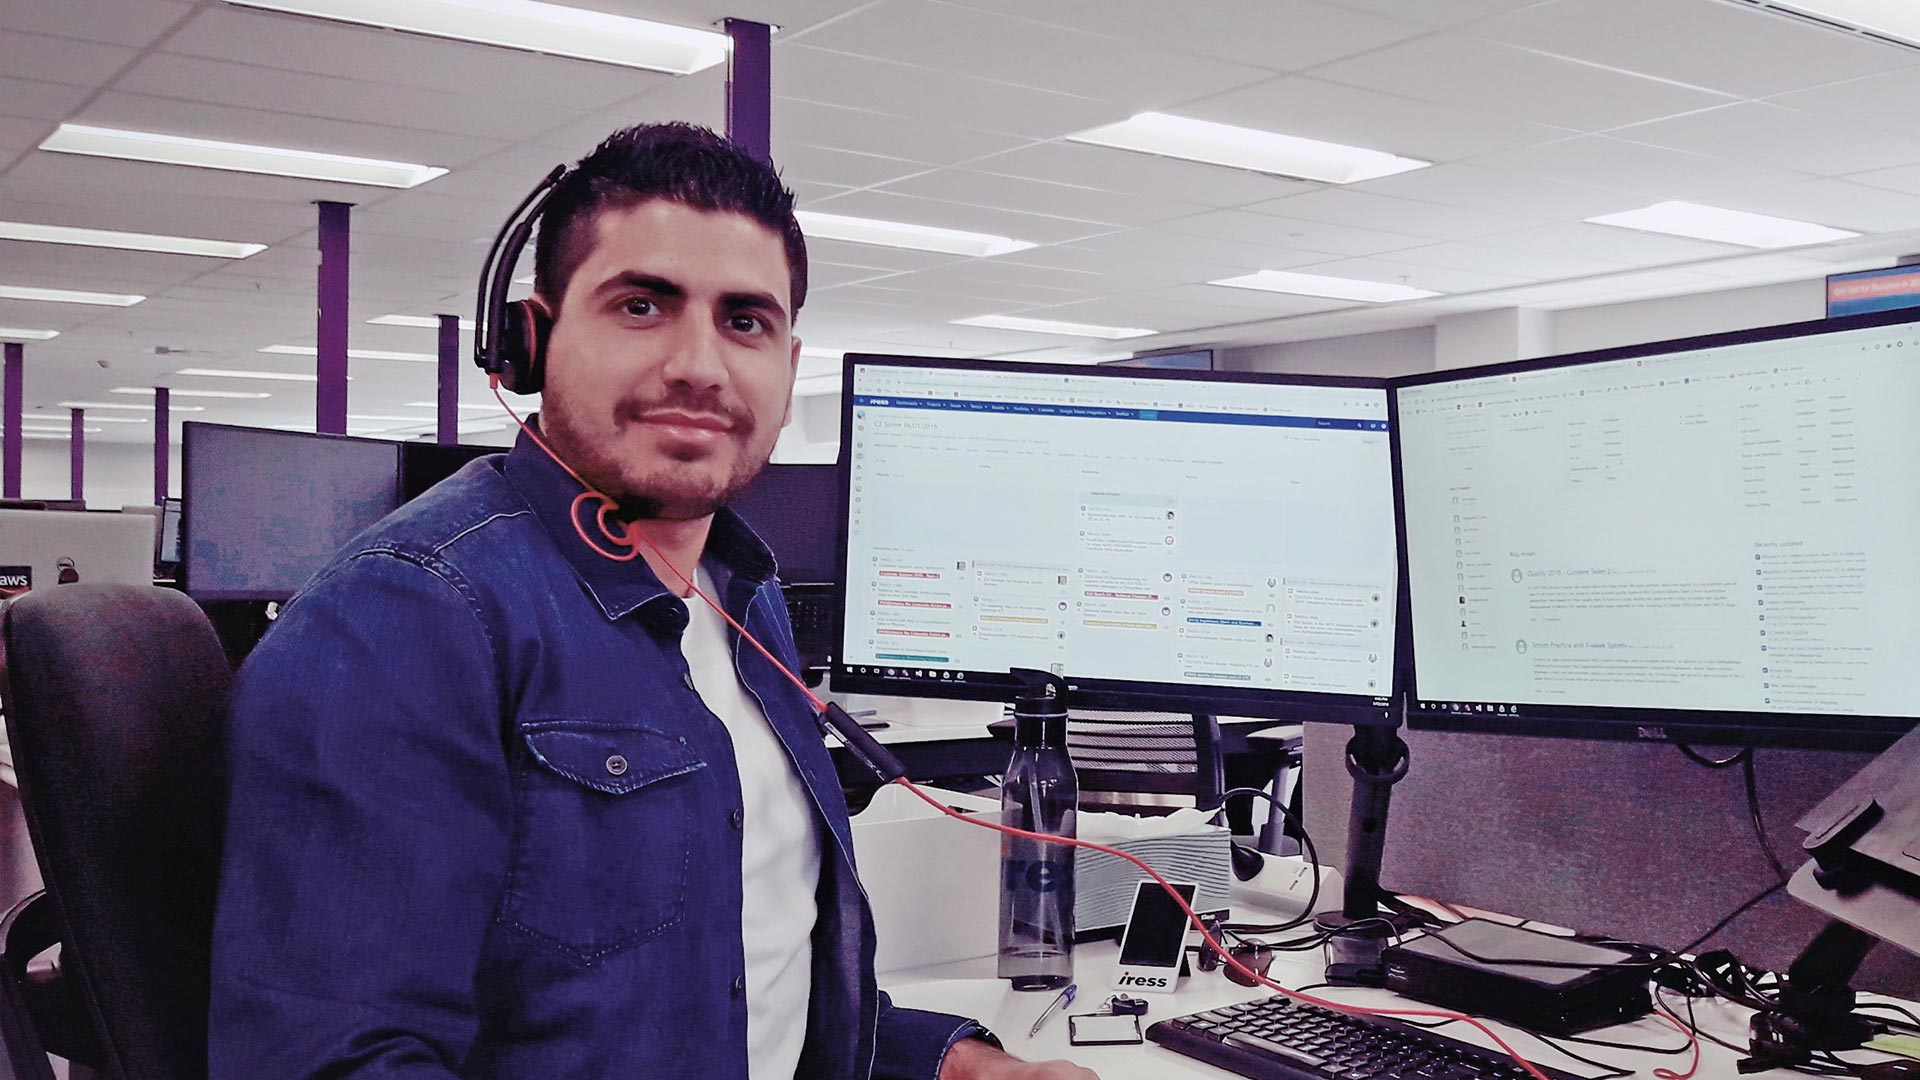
{"x":934,"y":883}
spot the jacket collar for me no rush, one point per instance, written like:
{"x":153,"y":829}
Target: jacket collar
{"x":734,"y":555}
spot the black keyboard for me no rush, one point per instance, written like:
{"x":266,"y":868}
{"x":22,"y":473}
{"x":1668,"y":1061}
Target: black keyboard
{"x":1281,"y":1039}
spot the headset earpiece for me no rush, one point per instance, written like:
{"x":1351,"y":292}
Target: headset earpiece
{"x":520,"y":350}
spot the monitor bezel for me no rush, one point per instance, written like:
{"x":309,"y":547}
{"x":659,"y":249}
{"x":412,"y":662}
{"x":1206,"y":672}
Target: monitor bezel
{"x":187,"y":435}
{"x":1617,"y":723}
{"x":1125,"y":695}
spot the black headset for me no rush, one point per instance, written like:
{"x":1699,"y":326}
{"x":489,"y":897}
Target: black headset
{"x":510,"y":338}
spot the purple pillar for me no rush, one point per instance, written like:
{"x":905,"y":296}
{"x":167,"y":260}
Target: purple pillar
{"x":79,"y":456}
{"x":162,"y":398}
{"x":750,"y":87}
{"x":448,"y":431}
{"x":330,"y":396}
{"x":15,"y":407}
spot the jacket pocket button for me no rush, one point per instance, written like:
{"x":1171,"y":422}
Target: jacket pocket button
{"x":616,"y":765}
{"x":736,"y":818}
{"x":739,"y":985}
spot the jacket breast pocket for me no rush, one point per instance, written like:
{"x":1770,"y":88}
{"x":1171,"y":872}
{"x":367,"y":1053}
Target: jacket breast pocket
{"x":602,"y":835}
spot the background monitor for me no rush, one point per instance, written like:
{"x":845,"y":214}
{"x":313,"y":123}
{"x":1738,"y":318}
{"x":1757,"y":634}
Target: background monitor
{"x":796,"y":510}
{"x":42,"y":549}
{"x":1181,"y":541}
{"x":424,"y":464}
{"x":264,"y":510}
{"x":1696,"y":539}
{"x":170,"y":532}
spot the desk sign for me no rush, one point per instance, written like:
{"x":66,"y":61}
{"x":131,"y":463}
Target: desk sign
{"x":1153,"y":950}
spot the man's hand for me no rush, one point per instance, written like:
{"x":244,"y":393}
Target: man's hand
{"x":976,"y":1059}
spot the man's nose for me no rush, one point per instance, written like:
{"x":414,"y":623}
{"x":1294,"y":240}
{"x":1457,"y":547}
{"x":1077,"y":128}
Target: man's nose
{"x":697,"y":356}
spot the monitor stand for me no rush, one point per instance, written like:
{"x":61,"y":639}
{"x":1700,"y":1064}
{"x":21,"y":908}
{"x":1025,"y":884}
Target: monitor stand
{"x":1376,"y":759}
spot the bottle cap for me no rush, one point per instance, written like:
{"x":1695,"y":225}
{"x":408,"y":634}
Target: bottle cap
{"x":1040,"y":709}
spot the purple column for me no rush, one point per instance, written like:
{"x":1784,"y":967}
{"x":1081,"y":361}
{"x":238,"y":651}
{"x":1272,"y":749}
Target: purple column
{"x":449,"y":399}
{"x":750,"y":87}
{"x":330,"y":396}
{"x":162,"y":398}
{"x":79,"y":452}
{"x":15,"y":408}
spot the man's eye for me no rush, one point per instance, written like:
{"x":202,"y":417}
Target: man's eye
{"x":639,"y":305}
{"x":745,"y":324}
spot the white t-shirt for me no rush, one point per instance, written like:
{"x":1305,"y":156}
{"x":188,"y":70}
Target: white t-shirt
{"x":780,"y":851}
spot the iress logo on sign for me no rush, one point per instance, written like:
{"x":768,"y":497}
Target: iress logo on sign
{"x":1145,"y":982}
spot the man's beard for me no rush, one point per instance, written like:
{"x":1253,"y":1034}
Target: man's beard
{"x":655,"y":497}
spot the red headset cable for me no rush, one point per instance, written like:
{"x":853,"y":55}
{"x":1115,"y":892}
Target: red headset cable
{"x":889,"y":770}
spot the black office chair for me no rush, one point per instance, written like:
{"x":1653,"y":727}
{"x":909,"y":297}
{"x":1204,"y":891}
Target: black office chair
{"x":1118,"y":756}
{"x":114,"y":698}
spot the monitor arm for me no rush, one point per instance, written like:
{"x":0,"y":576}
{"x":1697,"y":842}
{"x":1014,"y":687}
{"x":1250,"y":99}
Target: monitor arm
{"x":1376,"y":759}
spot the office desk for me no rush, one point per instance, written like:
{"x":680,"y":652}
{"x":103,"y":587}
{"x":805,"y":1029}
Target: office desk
{"x":969,"y":988}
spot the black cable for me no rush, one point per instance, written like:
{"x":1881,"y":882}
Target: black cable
{"x":1611,"y":1045}
{"x":1908,"y":1013}
{"x":1698,"y":758}
{"x":1732,"y":915}
{"x":1313,"y":861}
{"x":1759,"y":824}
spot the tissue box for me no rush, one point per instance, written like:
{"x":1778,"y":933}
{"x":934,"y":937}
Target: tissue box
{"x":933,"y":882}
{"x":1104,"y":885}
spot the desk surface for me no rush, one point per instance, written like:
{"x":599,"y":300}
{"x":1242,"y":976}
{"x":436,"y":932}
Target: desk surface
{"x":969,"y":988}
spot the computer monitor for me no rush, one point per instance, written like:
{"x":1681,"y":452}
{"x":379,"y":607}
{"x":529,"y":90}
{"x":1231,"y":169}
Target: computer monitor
{"x":264,"y":510}
{"x":796,"y":510}
{"x":1202,"y":542}
{"x":170,"y":532}
{"x":1703,"y":539}
{"x":424,"y":464}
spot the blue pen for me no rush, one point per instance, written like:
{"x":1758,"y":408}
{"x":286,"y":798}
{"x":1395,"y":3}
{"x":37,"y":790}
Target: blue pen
{"x":1065,"y":998}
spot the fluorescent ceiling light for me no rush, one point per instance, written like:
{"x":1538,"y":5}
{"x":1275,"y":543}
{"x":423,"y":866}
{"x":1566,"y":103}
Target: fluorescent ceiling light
{"x":1725,"y":226}
{"x":1892,"y":18}
{"x":127,"y":241}
{"x":355,"y":354}
{"x":531,"y":27}
{"x":1337,"y":288}
{"x":1247,"y":148}
{"x":902,"y":234}
{"x":236,"y":157}
{"x":133,"y":408}
{"x":408,"y":420}
{"x":50,"y":433}
{"x":435,"y":405}
{"x":8,"y":333}
{"x":68,"y":296}
{"x":96,"y":419}
{"x":233,"y":373}
{"x":1052,"y":326}
{"x":176,"y":392}
{"x":424,"y":322}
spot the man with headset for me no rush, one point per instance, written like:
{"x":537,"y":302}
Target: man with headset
{"x":507,"y":797}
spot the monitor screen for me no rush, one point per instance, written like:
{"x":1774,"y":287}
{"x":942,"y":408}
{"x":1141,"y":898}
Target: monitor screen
{"x":170,"y":531}
{"x":1705,"y":534}
{"x":264,"y":510}
{"x":1183,"y":541}
{"x":796,"y":510}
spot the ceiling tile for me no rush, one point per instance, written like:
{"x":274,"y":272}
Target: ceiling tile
{"x":888,"y":206}
{"x":369,"y":54}
{"x":1609,"y":244}
{"x":114,"y":21}
{"x":1290,"y":234}
{"x":1706,"y":43}
{"x":1883,"y":101}
{"x":1653,"y":171}
{"x":860,"y":130}
{"x":1837,"y":203}
{"x":798,"y":161}
{"x":1345,"y":206}
{"x":1488,"y":258}
{"x":1056,"y":56}
{"x":1357,"y":116}
{"x":45,"y":175}
{"x":1505,"y":81}
{"x":242,"y":124}
{"x":1041,"y":197}
{"x":1236,"y":254}
{"x":1398,"y":271}
{"x":1785,"y":138}
{"x":925,"y":95}
{"x":1484,"y":189}
{"x":1143,"y":176}
{"x":61,"y":60}
{"x":39,"y":100}
{"x":302,"y":94}
{"x":1434,"y":12}
{"x":1278,"y":35}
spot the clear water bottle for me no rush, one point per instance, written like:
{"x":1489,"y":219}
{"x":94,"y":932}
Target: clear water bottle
{"x":1040,"y":795}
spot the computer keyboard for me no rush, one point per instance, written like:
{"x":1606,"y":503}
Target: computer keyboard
{"x":1280,"y":1039}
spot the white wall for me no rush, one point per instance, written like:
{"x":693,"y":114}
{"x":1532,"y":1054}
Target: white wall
{"x":117,"y":474}
{"x":1580,"y":329}
{"x":1389,"y":352}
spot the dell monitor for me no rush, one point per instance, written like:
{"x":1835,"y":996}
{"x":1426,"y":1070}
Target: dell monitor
{"x":264,"y":510}
{"x":1201,"y":542}
{"x":795,"y":509}
{"x":1708,"y":539}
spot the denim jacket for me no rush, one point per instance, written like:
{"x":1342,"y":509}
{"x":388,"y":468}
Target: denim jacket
{"x":481,"y":825}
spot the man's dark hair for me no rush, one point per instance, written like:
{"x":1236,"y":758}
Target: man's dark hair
{"x":678,"y":162}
